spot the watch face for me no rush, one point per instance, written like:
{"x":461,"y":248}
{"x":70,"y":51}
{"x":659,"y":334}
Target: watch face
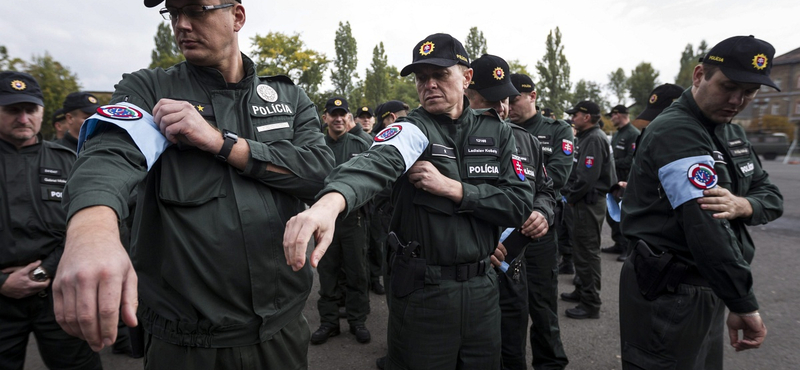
{"x":38,"y":274}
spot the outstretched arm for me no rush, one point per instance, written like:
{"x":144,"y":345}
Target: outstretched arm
{"x":319,"y":221}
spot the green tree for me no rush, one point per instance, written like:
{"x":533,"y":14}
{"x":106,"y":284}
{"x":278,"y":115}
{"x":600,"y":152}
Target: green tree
{"x":641,"y":83}
{"x":403,"y":89}
{"x":376,"y":83}
{"x":344,"y":71}
{"x":475,"y":43}
{"x":554,"y":86}
{"x":515,"y":66}
{"x":56,"y":82}
{"x":166,"y":53}
{"x":618,"y":84}
{"x":7,"y":63}
{"x":689,"y":59}
{"x":280,"y":54}
{"x":590,"y":90}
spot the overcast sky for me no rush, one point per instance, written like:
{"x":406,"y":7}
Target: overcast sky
{"x":100,"y":40}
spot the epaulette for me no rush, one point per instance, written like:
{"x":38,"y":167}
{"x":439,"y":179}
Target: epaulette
{"x":280,"y":78}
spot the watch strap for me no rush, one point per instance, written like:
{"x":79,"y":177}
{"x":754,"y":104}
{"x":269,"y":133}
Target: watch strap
{"x":227,"y":145}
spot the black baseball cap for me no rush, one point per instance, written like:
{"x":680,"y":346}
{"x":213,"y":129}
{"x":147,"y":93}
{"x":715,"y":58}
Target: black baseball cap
{"x":743,"y":59}
{"x":365,"y":110}
{"x":439,"y":49}
{"x":618,"y":109}
{"x":547,"y":112}
{"x":59,"y":115}
{"x":522,"y":83}
{"x":586,"y":106}
{"x":19,"y":87}
{"x":661,"y":98}
{"x":391,"y":106}
{"x":84,"y":101}
{"x":336,"y":102}
{"x":152,"y":3}
{"x":491,"y":78}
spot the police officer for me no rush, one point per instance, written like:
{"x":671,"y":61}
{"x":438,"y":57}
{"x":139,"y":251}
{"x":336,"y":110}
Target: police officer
{"x":623,"y":144}
{"x":444,"y":310}
{"x":221,"y":159}
{"x":347,"y":251}
{"x":78,"y":106}
{"x":541,"y":256}
{"x":660,"y":98}
{"x":366,"y":118}
{"x":59,"y":126}
{"x":591,"y":178}
{"x":489,"y":91}
{"x":389,"y":112}
{"x":32,"y":227}
{"x":694,"y":186}
{"x":356,"y":129}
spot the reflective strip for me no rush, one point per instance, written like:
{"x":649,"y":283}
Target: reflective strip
{"x":143,"y":131}
{"x":410,"y":141}
{"x":675,"y":179}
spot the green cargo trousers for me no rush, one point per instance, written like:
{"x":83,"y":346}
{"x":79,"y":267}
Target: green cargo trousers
{"x":587,"y":223}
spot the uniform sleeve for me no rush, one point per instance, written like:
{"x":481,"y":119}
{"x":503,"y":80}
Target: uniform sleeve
{"x":508,"y":201}
{"x":623,"y":163}
{"x":764,"y":196}
{"x":588,"y":168}
{"x":305,"y":155}
{"x":559,"y":165}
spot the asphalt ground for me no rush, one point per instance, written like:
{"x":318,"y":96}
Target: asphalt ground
{"x":594,"y":344}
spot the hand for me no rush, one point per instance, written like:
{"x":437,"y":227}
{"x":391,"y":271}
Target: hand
{"x":180,"y":121}
{"x":727,"y":205}
{"x":753,"y":331}
{"x":499,"y":255}
{"x":19,"y":284}
{"x":319,"y":220}
{"x":535,"y":226}
{"x":95,"y":282}
{"x":424,"y":175}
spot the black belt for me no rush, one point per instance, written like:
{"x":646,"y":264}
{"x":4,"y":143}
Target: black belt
{"x":463,"y":272}
{"x":692,"y":277}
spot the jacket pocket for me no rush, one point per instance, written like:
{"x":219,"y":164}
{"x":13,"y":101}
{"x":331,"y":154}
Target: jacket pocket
{"x":190,"y":177}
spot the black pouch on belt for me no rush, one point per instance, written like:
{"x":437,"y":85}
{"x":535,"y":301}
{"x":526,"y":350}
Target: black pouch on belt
{"x":407,"y":269}
{"x":656,"y":273}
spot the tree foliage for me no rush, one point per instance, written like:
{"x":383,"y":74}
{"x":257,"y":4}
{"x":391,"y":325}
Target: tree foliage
{"x":403,"y":89}
{"x":590,"y":90}
{"x":689,"y":59}
{"x":7,"y":63}
{"x":346,"y":61}
{"x":376,"y":84}
{"x":166,"y":53}
{"x":515,"y":66}
{"x":279,"y":54}
{"x":618,"y":84}
{"x":56,"y":82}
{"x":475,"y":43}
{"x":641,"y":83}
{"x":554,"y":86}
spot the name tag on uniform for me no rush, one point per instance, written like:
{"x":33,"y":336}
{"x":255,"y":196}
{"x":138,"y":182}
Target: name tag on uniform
{"x":272,"y":126}
{"x":489,"y":170}
{"x":740,"y":152}
{"x":482,"y":150}
{"x":49,"y":171}
{"x":273,"y":109}
{"x":52,"y":180}
{"x":736,"y":142}
{"x":439,"y":150}
{"x":477,"y":140}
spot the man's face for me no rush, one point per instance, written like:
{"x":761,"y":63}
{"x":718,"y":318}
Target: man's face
{"x":719,"y":98}
{"x":477,"y":101}
{"x":19,"y":123}
{"x":441,"y":90}
{"x":74,"y":121}
{"x":211,"y":38}
{"x":521,"y":107}
{"x":581,"y":120}
{"x":337,"y":122}
{"x":619,"y":119}
{"x":366,"y":122}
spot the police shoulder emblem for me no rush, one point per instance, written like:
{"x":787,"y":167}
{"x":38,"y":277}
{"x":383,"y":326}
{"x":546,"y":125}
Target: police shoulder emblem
{"x":18,"y":85}
{"x":653,"y":98}
{"x":566,"y":146}
{"x":92,"y":99}
{"x":589,"y":161}
{"x":426,"y":48}
{"x":760,"y":61}
{"x":518,"y":169}
{"x":498,"y":73}
{"x":267,"y":93}
{"x":388,"y":133}
{"x":702,"y":176}
{"x":119,"y":112}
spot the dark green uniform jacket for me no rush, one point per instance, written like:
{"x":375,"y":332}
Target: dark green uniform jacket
{"x":347,"y":147}
{"x":557,"y":146}
{"x":529,"y":153}
{"x":68,"y":141}
{"x":207,"y":238}
{"x":659,"y":205}
{"x":32,"y":222}
{"x":623,"y":143}
{"x":593,"y":171}
{"x":359,"y":131}
{"x":474,"y":149}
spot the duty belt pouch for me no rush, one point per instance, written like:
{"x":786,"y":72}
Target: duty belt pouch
{"x":591,"y":197}
{"x":655,"y":273}
{"x":407,"y":269}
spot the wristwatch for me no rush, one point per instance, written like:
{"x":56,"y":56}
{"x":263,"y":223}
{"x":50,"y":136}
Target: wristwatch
{"x":230,"y":139}
{"x":39,"y":274}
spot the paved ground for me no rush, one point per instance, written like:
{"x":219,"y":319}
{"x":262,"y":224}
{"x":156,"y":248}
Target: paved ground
{"x":594,"y":344}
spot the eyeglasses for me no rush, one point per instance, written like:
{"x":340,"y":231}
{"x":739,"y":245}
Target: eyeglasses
{"x":190,"y":11}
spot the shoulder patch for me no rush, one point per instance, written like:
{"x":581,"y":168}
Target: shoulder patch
{"x":388,"y":133}
{"x":566,"y":146}
{"x":686,"y":178}
{"x":589,"y":161}
{"x":518,"y":169}
{"x":702,"y":176}
{"x":120,"y":112}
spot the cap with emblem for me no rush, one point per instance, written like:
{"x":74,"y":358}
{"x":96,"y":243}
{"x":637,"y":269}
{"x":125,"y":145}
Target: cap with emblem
{"x":618,"y":109}
{"x":439,"y":49}
{"x":152,"y":3}
{"x":661,"y":98}
{"x":491,"y":79}
{"x":365,"y":110}
{"x":19,"y":87}
{"x":391,"y":106}
{"x":547,"y":112}
{"x":743,"y":59}
{"x":81,"y":100}
{"x":585,"y":106}
{"x":522,"y":83}
{"x":336,"y":102}
{"x":59,"y":115}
